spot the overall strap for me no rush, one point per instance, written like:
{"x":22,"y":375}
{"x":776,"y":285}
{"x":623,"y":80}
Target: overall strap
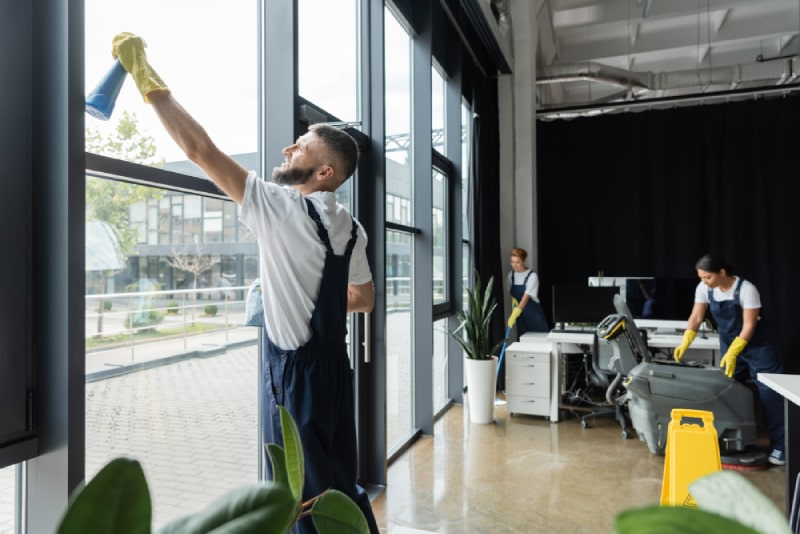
{"x":321,"y":231}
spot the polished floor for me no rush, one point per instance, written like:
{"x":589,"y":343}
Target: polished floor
{"x":524,"y":474}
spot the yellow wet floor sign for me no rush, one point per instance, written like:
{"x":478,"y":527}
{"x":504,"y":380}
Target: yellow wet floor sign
{"x":692,"y":452}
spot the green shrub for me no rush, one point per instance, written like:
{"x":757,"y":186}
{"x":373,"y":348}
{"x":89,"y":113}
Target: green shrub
{"x":107,"y":305}
{"x":139,"y":319}
{"x":210,"y":309}
{"x":172,"y":307}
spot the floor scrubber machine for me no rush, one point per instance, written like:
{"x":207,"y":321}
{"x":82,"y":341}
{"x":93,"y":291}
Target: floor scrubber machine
{"x":654,"y":388}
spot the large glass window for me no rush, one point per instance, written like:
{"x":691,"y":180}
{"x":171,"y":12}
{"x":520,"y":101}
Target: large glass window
{"x":440,"y":361}
{"x":466,"y":227}
{"x":400,"y":238}
{"x":439,"y":191}
{"x":328,"y":72}
{"x":399,"y":339}
{"x":171,"y":372}
{"x":225,"y":103}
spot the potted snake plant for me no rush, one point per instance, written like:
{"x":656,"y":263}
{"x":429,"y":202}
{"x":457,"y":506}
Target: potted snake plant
{"x":480,"y":361}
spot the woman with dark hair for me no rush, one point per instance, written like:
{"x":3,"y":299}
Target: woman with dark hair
{"x":735,"y":304}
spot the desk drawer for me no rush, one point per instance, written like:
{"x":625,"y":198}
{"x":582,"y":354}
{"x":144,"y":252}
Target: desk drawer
{"x":528,"y":376}
{"x":528,"y":405}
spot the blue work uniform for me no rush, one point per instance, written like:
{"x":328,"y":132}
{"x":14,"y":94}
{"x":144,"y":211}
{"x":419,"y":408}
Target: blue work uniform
{"x":315,"y":384}
{"x":758,"y":356}
{"x":532,"y":317}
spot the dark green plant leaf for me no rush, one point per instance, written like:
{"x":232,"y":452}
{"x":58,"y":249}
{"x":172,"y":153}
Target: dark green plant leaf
{"x":277,"y":459}
{"x":115,"y":501}
{"x":265,"y":508}
{"x":655,"y":519}
{"x":336,"y":513}
{"x":293,"y":449}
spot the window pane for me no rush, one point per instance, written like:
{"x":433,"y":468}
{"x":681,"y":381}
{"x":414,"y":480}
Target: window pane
{"x":8,"y":478}
{"x":337,"y":92}
{"x":440,"y":217}
{"x":398,"y":122}
{"x":440,"y":338}
{"x":171,"y":374}
{"x":399,"y":313}
{"x":466,"y":141}
{"x":437,"y":110}
{"x":225,"y":103}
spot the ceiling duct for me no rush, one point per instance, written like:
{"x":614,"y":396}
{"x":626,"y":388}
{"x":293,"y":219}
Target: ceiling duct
{"x":643,"y":85}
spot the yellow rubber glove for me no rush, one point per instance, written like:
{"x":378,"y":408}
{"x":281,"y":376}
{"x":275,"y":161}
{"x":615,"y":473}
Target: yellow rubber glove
{"x":514,"y":302}
{"x":680,"y":350}
{"x":129,"y":48}
{"x":729,"y":360}
{"x":512,"y":319}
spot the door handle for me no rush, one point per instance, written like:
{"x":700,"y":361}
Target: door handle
{"x":366,"y":342}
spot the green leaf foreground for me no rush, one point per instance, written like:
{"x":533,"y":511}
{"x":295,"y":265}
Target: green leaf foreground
{"x":727,"y":503}
{"x":117,"y":501}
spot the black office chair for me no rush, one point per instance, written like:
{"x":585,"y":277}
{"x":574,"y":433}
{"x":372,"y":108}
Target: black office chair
{"x":603,"y":375}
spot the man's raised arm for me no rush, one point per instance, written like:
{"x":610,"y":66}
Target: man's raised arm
{"x":187,"y":133}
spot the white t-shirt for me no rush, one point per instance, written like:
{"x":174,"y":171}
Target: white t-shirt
{"x":749,"y":297}
{"x":292,"y":255}
{"x":531,"y":288}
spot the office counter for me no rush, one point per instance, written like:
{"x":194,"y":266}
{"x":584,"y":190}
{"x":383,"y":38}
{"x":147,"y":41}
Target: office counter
{"x":789,"y":387}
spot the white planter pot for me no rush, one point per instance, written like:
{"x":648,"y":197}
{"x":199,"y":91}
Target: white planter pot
{"x":481,"y":389}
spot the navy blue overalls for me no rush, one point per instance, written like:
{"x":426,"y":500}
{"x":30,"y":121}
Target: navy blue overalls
{"x":315,"y":384}
{"x":758,"y":356}
{"x":532,"y":317}
{"x":530,"y":320}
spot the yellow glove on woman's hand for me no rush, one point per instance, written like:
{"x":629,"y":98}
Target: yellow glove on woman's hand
{"x":680,"y":350}
{"x":512,"y":319}
{"x":129,"y":48}
{"x":729,"y":360}
{"x":514,"y":302}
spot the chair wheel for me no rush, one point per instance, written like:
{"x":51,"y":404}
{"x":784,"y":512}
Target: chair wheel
{"x":625,"y":434}
{"x":584,"y":424}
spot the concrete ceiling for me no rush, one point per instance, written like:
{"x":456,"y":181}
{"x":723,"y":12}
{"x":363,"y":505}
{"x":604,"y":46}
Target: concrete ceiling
{"x":595,"y":53}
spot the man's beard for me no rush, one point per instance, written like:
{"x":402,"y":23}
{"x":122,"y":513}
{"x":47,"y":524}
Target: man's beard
{"x":291,"y":175}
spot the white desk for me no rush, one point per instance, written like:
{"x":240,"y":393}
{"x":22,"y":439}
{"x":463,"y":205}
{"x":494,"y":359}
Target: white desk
{"x":670,"y":341}
{"x":789,"y":387}
{"x":572,"y":342}
{"x":709,"y":344}
{"x":563,"y":343}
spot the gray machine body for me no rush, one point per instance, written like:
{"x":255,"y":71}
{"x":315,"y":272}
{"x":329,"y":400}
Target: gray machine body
{"x":654,"y":389}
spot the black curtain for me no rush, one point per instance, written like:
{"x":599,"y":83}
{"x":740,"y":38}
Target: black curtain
{"x":647,"y":194}
{"x":484,"y":172}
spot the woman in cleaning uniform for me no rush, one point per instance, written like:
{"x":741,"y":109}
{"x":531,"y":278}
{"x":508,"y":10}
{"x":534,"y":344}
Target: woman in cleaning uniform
{"x":523,"y":285}
{"x":735,"y":304}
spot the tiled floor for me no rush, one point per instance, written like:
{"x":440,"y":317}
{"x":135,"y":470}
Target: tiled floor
{"x":524,"y":474}
{"x":193,"y":425}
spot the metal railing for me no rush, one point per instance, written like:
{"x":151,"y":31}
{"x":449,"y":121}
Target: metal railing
{"x":114,"y":320}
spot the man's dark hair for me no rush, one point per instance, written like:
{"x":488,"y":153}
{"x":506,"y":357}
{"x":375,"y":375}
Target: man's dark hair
{"x":341,"y":143}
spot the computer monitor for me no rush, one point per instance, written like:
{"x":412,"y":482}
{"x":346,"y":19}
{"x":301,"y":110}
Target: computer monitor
{"x":668,"y":298}
{"x":582,"y":305}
